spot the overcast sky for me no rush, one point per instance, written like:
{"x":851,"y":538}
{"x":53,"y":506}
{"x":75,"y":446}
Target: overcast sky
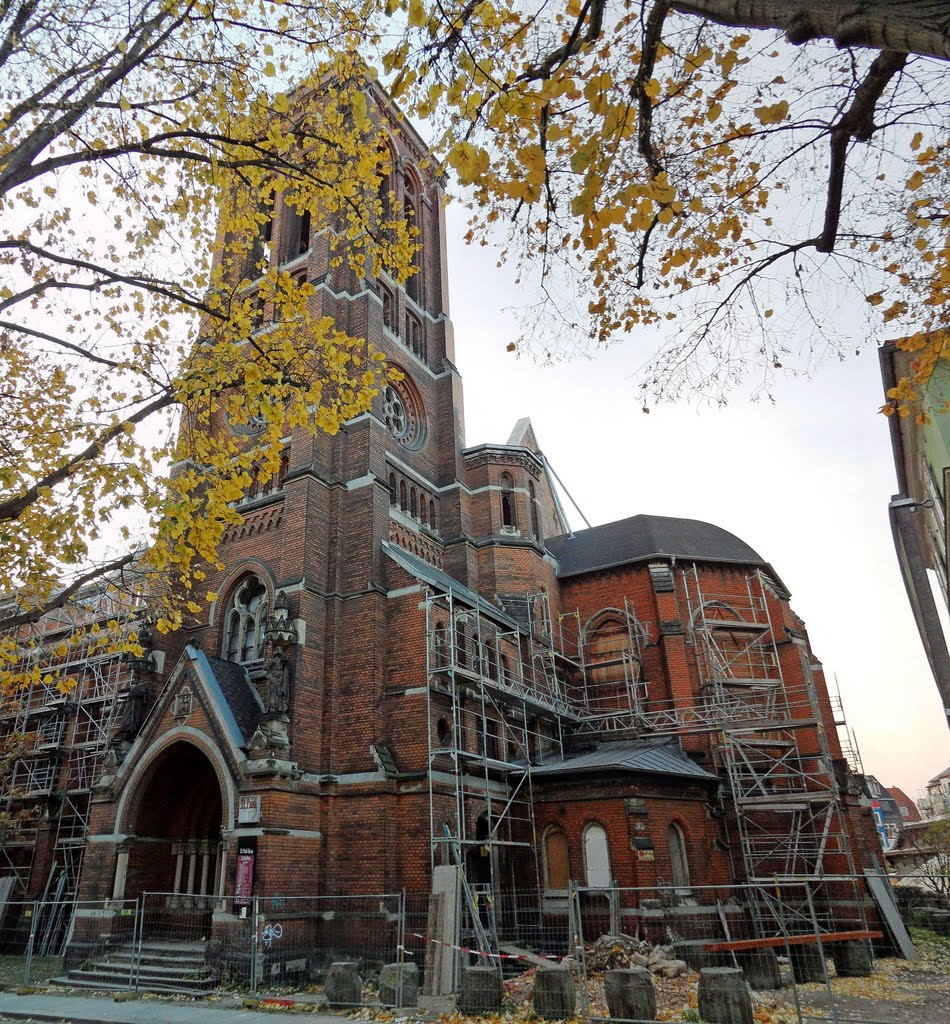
{"x":805,"y":482}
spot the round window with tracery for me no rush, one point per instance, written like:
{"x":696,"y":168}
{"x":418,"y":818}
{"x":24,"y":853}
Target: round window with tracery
{"x":402,"y":413}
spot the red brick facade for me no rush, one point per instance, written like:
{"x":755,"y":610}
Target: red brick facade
{"x":356,"y":801}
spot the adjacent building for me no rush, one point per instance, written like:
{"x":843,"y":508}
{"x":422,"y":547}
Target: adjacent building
{"x":918,"y":511}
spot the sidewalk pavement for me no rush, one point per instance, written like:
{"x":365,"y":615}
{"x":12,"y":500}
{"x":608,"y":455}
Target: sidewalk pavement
{"x":81,"y":1009}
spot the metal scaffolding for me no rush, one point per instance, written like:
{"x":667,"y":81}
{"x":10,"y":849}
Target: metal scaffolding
{"x":505,"y":694}
{"x":65,"y":719}
{"x":776,"y":758}
{"x":846,"y":738}
{"x":502,"y":697}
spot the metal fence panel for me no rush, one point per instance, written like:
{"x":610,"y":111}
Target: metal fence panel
{"x":298,"y":938}
{"x":190,"y":943}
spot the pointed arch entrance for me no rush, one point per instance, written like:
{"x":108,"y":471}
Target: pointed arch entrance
{"x":176,"y":815}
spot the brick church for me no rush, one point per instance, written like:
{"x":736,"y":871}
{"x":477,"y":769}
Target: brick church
{"x":413,"y":663}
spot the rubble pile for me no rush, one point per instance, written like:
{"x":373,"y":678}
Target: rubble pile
{"x":619,"y":951}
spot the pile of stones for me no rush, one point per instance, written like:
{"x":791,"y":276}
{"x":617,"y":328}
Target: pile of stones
{"x":612,"y":952}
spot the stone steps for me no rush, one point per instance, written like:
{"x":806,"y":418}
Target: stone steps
{"x":164,"y":967}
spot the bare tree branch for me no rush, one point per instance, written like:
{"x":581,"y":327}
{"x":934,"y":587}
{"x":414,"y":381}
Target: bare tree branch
{"x":14,"y":507}
{"x":857,"y":122}
{"x":65,"y":595}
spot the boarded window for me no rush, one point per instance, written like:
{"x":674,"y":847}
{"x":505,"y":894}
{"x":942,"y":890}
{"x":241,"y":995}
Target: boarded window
{"x":557,"y":860}
{"x":679,"y":865}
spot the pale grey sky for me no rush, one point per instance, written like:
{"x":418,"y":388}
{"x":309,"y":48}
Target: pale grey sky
{"x":806,"y":482}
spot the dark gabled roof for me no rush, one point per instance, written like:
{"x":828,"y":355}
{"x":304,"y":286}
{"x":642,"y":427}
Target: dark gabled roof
{"x":642,"y":537}
{"x":239,"y":694}
{"x":652,"y":757}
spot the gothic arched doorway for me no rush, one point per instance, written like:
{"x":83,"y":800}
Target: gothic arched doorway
{"x":177,"y":849}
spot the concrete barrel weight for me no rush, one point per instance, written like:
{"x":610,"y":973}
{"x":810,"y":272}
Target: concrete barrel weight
{"x":761,"y":969}
{"x":554,"y":995}
{"x":630,"y":994}
{"x":853,"y":958}
{"x":343,"y":986}
{"x":389,"y":994}
{"x":724,"y":996}
{"x":480,"y":990}
{"x":808,"y":964}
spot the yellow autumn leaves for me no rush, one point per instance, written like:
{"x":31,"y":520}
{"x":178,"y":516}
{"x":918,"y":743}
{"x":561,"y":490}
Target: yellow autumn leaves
{"x":153,"y":201}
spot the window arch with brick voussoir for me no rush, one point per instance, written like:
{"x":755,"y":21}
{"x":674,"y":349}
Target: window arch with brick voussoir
{"x":244,"y":621}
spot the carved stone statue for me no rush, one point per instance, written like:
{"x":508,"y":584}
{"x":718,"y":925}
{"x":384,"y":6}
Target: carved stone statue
{"x":278,"y":683}
{"x":138,"y":700}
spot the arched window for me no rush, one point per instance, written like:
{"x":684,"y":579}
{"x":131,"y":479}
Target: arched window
{"x":244,"y":621}
{"x":478,"y":655}
{"x":296,"y":231}
{"x":393,"y":490}
{"x":438,"y":645}
{"x":432,"y":515}
{"x":605,"y":645}
{"x":413,"y":503}
{"x":403,"y":496}
{"x":277,"y":481}
{"x":254,"y":488}
{"x":389,"y":308}
{"x":597,"y":857}
{"x":491,"y":661}
{"x":423,"y":508}
{"x":414,"y":337}
{"x":557,"y":860}
{"x":508,"y":518}
{"x":535,"y":518}
{"x":492,"y":739}
{"x":410,"y":211}
{"x":679,"y":864}
{"x":384,"y":193}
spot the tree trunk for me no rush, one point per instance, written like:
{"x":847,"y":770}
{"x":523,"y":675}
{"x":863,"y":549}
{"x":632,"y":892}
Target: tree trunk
{"x":908,"y":26}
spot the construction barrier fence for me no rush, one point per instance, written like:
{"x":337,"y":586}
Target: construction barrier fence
{"x":788,"y":939}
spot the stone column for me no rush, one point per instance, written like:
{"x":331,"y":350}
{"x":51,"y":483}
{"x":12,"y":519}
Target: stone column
{"x":222,"y":870}
{"x":192,"y":866}
{"x":179,"y":850}
{"x":205,"y":859}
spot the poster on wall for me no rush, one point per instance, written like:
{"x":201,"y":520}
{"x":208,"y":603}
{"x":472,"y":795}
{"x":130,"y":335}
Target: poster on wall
{"x":244,"y":874}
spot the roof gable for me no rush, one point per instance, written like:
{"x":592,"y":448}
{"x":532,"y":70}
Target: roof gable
{"x":523,"y":435}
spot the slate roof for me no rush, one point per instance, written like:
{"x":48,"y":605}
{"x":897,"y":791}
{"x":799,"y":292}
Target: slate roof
{"x":658,"y":757}
{"x":239,"y":694}
{"x":443,"y":583}
{"x":646,"y":537}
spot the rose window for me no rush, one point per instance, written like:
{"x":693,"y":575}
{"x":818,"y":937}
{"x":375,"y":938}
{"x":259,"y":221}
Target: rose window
{"x":402,"y":413}
{"x":395,"y":414}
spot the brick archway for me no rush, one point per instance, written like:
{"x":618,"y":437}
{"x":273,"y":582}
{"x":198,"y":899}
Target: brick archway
{"x":177,"y":805}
